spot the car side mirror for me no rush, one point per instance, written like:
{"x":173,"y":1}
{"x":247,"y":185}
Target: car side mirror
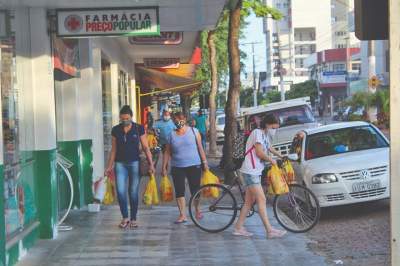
{"x":293,"y":157}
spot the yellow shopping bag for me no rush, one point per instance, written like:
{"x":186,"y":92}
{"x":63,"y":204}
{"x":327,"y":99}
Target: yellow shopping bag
{"x":210,"y":178}
{"x":289,"y":172}
{"x":166,"y":189}
{"x":109,"y":196}
{"x":276,"y":181}
{"x":150,"y":196}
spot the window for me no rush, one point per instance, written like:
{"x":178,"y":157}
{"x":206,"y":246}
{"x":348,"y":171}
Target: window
{"x":342,"y":141}
{"x":299,"y":63}
{"x":304,"y":34}
{"x":356,"y":66}
{"x":338,"y":67}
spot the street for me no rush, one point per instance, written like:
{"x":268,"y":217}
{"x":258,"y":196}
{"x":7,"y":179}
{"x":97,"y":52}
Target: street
{"x":355,"y":234}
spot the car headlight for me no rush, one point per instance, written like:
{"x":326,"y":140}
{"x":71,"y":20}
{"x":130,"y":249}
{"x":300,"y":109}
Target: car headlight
{"x":324,"y":178}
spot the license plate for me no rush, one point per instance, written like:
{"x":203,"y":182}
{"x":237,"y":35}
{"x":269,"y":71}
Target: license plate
{"x":364,"y":186}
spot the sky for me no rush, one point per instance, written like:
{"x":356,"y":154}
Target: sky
{"x":254,"y":33}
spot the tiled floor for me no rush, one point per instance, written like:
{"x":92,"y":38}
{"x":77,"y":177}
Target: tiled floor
{"x":96,"y":240}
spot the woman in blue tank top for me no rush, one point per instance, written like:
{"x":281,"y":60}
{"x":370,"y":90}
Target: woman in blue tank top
{"x":186,"y":153}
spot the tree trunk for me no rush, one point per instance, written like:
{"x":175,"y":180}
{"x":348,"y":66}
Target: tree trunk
{"x":213,"y":93}
{"x":186,"y":102}
{"x":234,"y":89}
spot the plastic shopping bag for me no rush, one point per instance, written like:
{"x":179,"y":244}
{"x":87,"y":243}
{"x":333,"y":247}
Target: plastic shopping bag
{"x":276,"y":180}
{"x":150,"y":196}
{"x":99,"y":189}
{"x":166,"y":189}
{"x":210,"y":178}
{"x":109,"y":197}
{"x":289,"y":172}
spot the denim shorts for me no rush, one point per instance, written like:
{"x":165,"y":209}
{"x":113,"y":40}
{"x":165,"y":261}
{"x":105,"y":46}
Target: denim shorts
{"x":250,"y":180}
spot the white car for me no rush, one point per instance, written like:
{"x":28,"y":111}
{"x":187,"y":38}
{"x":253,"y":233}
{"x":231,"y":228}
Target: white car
{"x":220,"y":121}
{"x":343,"y":163}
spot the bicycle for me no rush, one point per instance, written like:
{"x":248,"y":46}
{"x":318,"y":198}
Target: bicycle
{"x":297,"y":211}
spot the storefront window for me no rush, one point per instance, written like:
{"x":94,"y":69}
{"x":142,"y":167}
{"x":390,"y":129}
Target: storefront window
{"x":19,"y":203}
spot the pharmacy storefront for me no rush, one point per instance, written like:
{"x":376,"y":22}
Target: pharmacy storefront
{"x":66,"y":70}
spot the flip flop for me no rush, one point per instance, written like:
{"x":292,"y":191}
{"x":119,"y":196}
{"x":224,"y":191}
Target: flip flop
{"x":242,"y":232}
{"x":124,"y":225}
{"x":275,"y":233}
{"x":199,"y":216}
{"x":180,"y":222}
{"x":134,"y":225}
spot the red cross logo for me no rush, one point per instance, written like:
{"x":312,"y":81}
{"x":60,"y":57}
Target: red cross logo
{"x":73,"y":23}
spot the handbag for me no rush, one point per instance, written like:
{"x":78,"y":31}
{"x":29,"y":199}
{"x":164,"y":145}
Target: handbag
{"x":143,"y":163}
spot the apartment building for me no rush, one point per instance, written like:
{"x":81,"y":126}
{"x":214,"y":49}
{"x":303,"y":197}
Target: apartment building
{"x":295,"y":37}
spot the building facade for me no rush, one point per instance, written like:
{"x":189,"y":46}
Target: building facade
{"x":290,"y":40}
{"x":60,"y":96}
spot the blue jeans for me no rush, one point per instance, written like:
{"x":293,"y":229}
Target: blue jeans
{"x":203,"y":140}
{"x":127,"y":176}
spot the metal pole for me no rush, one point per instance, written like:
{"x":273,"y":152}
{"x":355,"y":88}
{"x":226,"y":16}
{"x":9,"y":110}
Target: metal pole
{"x":394,"y":44}
{"x":254,"y":76}
{"x":280,"y":68}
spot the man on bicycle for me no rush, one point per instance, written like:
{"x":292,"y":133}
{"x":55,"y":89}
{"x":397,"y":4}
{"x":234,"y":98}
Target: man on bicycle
{"x":258,"y":151}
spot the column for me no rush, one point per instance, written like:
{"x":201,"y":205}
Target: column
{"x":85,"y":117}
{"x":2,"y":217}
{"x":97,"y":116}
{"x":114,"y":93}
{"x":41,"y":83}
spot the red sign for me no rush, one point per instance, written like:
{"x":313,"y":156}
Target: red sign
{"x":165,"y":38}
{"x":161,"y":62}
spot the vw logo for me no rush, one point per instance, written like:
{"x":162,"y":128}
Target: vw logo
{"x":365,"y":174}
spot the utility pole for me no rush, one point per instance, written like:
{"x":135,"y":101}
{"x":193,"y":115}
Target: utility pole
{"x":280,"y":68}
{"x":254,"y":71}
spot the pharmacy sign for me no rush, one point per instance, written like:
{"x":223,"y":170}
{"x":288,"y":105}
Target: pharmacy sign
{"x":140,"y":21}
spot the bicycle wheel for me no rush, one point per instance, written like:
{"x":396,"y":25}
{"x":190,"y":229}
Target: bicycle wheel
{"x":217,"y":213}
{"x":297,"y":211}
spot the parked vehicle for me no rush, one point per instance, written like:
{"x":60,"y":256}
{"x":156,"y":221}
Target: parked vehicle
{"x":293,"y":115}
{"x":220,"y":121}
{"x":343,"y":163}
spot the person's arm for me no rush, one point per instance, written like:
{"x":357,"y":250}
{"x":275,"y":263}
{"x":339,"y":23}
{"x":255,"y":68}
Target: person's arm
{"x":260,"y":154}
{"x":275,"y":152}
{"x":146,"y":149}
{"x":201,"y":151}
{"x":111,"y":158}
{"x":166,"y":158}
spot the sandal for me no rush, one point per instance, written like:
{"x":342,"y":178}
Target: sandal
{"x":199,"y":216}
{"x":180,"y":221}
{"x":275,"y":233}
{"x":134,"y":225}
{"x":242,"y":232}
{"x":123,"y":224}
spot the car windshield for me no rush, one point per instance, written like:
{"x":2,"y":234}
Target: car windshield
{"x":221,"y":120}
{"x":342,"y":141}
{"x":294,"y":116}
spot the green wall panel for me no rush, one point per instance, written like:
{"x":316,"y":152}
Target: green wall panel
{"x":46,"y":192}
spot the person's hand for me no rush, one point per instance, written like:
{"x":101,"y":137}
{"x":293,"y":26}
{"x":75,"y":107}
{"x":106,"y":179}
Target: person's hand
{"x":164,"y":172}
{"x":108,"y":171}
{"x":205,"y":167}
{"x":273,"y":162}
{"x":152,"y":170}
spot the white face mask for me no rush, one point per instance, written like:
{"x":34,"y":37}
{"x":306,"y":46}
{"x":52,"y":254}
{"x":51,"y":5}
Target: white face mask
{"x":271,"y":132}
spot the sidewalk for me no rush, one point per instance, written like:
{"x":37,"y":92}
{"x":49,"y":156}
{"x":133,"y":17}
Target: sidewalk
{"x":96,"y":240}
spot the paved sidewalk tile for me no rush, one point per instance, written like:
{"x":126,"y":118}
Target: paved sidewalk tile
{"x":96,"y":240}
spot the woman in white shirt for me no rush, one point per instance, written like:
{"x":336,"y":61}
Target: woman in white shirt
{"x":258,"y":151}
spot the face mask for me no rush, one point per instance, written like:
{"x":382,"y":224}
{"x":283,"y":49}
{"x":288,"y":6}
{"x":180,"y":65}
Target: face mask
{"x":272,"y":132}
{"x":180,"y":124}
{"x":126,"y":122}
{"x":166,"y":118}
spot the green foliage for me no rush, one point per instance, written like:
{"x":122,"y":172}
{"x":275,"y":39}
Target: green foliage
{"x":361,"y":99}
{"x":307,"y":88}
{"x":247,"y":97}
{"x":260,"y":9}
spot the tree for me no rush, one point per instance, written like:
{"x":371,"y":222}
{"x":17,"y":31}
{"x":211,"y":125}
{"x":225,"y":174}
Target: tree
{"x":213,"y":69}
{"x":213,"y":92}
{"x":307,"y":88}
{"x":237,"y":9}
